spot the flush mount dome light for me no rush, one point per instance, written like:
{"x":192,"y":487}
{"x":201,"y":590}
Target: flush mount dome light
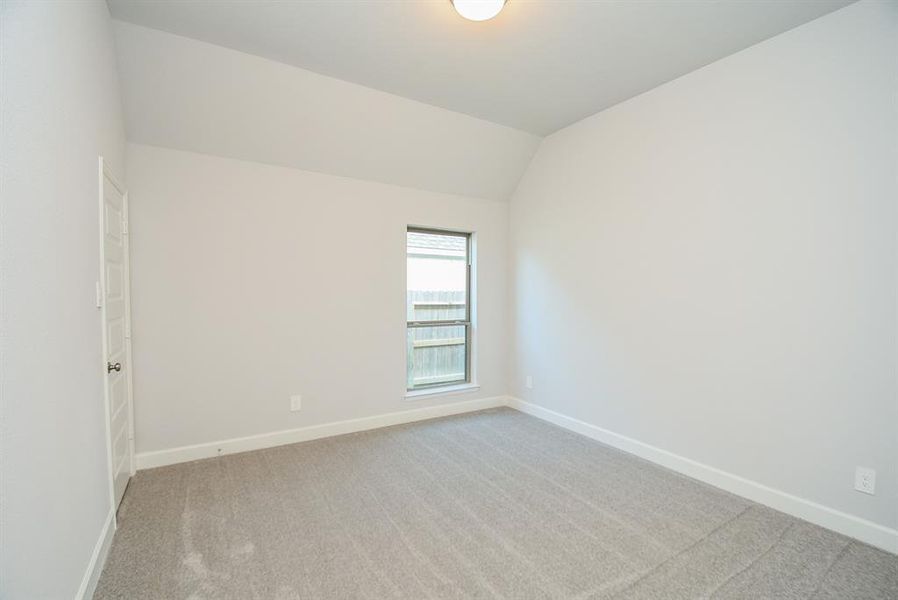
{"x":478,"y":10}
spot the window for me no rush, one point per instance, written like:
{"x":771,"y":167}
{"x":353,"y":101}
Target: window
{"x":438,"y":308}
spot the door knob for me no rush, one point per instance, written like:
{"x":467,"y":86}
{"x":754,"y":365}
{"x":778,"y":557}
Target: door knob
{"x":113,"y":367}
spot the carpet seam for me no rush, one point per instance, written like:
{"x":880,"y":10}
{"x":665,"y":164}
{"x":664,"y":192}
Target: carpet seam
{"x":561,"y":487}
{"x":684,"y":550}
{"x":775,"y":543}
{"x":822,"y":579}
{"x":496,"y":536}
{"x":656,"y":469}
{"x":622,"y":521}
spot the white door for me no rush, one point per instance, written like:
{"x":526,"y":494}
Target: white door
{"x":116,"y":331}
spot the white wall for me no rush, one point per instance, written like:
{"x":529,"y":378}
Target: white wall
{"x":185,"y":94}
{"x":710,"y":267}
{"x":60,"y":110}
{"x":252,"y":283}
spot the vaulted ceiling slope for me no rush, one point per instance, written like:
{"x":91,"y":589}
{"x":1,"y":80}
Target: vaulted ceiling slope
{"x":189,"y":95}
{"x":538,"y":66}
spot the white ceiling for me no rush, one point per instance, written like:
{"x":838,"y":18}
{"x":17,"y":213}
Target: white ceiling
{"x":537,"y":67}
{"x":189,"y":95}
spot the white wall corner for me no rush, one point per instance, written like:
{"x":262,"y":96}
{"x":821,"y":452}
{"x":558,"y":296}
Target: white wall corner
{"x":849,"y":525}
{"x":97,"y":559}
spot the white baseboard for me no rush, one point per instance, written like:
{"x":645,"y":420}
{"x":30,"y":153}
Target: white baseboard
{"x":844,"y":523}
{"x":148,"y":460}
{"x":97,"y":559}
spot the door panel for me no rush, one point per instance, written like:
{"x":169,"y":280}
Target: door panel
{"x":116,"y":331}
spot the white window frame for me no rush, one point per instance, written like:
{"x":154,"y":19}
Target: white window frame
{"x":469,"y":383}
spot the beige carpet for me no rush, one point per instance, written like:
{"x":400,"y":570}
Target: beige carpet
{"x":494,"y":504}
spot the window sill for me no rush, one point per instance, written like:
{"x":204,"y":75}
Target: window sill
{"x":460,"y":388}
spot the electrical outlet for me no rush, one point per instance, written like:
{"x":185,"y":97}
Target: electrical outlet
{"x":295,"y":403}
{"x":529,"y":382}
{"x":865,"y":480}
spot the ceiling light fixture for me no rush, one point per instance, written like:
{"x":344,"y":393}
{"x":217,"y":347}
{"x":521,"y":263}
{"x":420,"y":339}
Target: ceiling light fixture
{"x":478,"y":10}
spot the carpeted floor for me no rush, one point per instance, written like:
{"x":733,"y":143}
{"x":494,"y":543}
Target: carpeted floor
{"x":494,"y":504}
